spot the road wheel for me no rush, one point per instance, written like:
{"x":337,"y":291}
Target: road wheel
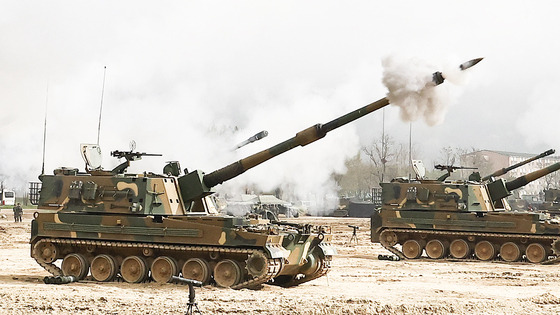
{"x":412,"y":249}
{"x":436,"y":249}
{"x":227,"y":273}
{"x":197,"y":269}
{"x":103,"y":268}
{"x":134,"y":269}
{"x":484,"y":250}
{"x":460,"y":249}
{"x":163,"y":268}
{"x":75,"y":265}
{"x":46,"y":251}
{"x":389,"y":237}
{"x":535,"y":253}
{"x":510,"y":252}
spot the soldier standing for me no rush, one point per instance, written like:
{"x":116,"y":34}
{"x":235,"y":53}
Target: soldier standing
{"x":18,"y":212}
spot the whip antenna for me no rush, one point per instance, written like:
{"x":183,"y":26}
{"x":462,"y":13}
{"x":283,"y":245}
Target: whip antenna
{"x":101,"y":106}
{"x":45,"y":130}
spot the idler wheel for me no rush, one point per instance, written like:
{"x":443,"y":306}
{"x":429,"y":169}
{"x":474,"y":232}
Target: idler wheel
{"x":197,"y":269}
{"x":134,"y":269}
{"x":257,"y":264}
{"x":163,"y":268}
{"x":46,"y":251}
{"x":535,"y":253}
{"x":389,"y":238}
{"x":510,"y":252}
{"x":460,"y":249}
{"x":484,"y":250}
{"x":103,"y":268}
{"x":227,"y":273}
{"x":436,"y":249}
{"x":412,"y":249}
{"x":75,"y":265}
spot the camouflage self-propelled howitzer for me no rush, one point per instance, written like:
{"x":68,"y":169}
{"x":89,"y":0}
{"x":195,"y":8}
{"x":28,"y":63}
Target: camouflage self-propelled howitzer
{"x":110,"y":224}
{"x":464,"y":220}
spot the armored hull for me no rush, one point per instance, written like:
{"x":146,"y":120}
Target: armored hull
{"x":93,"y":232}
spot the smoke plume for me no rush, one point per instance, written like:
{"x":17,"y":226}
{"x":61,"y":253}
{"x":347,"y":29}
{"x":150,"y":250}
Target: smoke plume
{"x":410,"y":86}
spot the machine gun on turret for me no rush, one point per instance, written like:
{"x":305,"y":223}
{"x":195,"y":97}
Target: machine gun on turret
{"x":129,"y":156}
{"x":450,"y":169}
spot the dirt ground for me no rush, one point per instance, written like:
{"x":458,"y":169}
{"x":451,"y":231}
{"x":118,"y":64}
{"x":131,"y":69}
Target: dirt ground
{"x":358,"y":283}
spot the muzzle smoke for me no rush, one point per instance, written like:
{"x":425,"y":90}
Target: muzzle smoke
{"x":411,"y":88}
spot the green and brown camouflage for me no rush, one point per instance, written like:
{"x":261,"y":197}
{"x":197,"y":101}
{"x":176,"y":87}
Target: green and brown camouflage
{"x":463,"y":220}
{"x":107,"y":223}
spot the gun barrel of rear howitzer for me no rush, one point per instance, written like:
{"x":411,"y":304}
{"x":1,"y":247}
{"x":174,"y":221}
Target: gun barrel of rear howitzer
{"x":526,"y":179}
{"x":302,"y":138}
{"x":507,"y":169}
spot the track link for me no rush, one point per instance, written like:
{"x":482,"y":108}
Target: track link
{"x":274,"y":266}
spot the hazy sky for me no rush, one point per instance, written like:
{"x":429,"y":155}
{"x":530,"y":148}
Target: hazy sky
{"x":190,"y":79}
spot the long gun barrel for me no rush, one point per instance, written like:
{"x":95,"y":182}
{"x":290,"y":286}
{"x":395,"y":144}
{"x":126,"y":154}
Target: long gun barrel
{"x":500,"y":188}
{"x":302,"y":138}
{"x":197,"y":184}
{"x":507,"y":169}
{"x":526,"y":179}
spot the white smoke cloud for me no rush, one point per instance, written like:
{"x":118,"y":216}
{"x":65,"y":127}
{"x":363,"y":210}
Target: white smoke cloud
{"x":410,"y":86}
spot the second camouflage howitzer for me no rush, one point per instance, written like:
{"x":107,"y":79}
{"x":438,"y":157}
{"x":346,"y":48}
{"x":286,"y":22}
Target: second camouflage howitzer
{"x":504,"y":170}
{"x":463,"y":220}
{"x":500,"y":189}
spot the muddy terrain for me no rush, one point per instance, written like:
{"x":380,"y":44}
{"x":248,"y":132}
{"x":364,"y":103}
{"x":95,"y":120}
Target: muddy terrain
{"x":358,"y":283}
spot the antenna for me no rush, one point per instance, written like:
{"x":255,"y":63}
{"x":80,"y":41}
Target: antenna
{"x":101,"y":107}
{"x":45,"y":130}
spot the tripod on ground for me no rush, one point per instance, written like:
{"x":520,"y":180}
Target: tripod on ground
{"x":354,"y":234}
{"x":192,"y":307}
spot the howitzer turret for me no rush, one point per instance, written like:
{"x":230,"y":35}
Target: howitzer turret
{"x":504,"y":170}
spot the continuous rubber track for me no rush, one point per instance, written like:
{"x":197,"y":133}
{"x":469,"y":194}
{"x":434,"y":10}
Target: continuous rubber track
{"x":400,"y":254}
{"x":274,"y":265}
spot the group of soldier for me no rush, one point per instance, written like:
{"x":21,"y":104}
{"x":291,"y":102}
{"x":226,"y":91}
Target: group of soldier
{"x":18,"y":212}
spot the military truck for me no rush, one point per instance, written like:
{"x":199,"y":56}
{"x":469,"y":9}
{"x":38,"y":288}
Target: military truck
{"x":463,"y":220}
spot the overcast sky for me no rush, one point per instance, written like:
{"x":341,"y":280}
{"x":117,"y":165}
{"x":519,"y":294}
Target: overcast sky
{"x":190,"y":79}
